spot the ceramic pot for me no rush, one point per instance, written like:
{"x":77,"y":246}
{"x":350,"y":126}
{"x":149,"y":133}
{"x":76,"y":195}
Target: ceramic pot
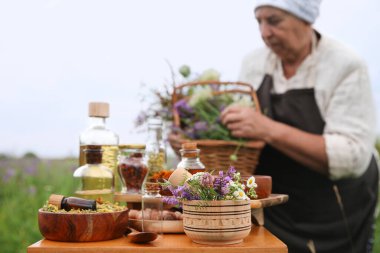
{"x":217,"y":222}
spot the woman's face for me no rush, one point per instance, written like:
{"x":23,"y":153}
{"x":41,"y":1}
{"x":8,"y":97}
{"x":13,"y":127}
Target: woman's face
{"x":287,"y":36}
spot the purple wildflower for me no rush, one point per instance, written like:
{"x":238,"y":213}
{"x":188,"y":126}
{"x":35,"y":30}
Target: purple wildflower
{"x":200,"y":126}
{"x":171,"y":200}
{"x":190,"y":133}
{"x":31,"y":170}
{"x":224,"y":190}
{"x":220,"y":185}
{"x":9,"y":174}
{"x":187,"y":194}
{"x":207,"y":180}
{"x":183,"y":108}
{"x":231,"y":171}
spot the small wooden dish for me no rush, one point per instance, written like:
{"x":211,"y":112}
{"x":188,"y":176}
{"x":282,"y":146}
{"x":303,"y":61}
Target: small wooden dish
{"x":168,"y":226}
{"x":82,"y":227}
{"x":264,"y":185}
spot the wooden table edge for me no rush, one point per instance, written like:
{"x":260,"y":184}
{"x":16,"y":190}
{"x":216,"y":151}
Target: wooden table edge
{"x":122,"y":245}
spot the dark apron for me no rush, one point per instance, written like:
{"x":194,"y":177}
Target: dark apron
{"x":313,"y":215}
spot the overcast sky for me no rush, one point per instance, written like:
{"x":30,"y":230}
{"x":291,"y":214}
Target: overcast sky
{"x":57,"y":55}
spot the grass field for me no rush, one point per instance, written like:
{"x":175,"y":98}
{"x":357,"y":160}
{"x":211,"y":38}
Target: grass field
{"x":25,"y":185}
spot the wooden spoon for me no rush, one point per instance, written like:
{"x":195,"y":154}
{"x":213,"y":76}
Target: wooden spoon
{"x":140,"y":237}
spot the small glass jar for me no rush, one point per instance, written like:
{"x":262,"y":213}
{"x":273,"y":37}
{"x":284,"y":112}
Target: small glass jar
{"x":132,"y":168}
{"x":94,"y":180}
{"x":155,"y":147}
{"x":190,"y":158}
{"x":152,"y":209}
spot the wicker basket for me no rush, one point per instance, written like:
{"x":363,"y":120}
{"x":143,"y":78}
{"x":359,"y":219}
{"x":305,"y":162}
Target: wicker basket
{"x":215,"y":154}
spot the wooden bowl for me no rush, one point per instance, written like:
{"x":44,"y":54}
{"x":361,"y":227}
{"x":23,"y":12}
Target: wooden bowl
{"x":82,"y":227}
{"x":264,"y":185}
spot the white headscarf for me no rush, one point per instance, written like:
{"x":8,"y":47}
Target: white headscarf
{"x":307,"y":10}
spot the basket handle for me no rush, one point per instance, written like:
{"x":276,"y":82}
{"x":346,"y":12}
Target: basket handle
{"x":178,"y":89}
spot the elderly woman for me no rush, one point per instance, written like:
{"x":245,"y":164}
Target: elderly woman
{"x":318,"y":122}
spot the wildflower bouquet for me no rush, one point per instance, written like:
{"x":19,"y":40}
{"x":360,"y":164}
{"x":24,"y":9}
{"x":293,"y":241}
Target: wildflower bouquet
{"x":192,"y":107}
{"x":198,"y":107}
{"x":199,"y":112}
{"x":204,"y":186}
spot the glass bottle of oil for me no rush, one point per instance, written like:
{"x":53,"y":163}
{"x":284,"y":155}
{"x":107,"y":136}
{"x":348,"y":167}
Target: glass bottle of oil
{"x":98,"y":134}
{"x":155,"y":148}
{"x":190,"y":158}
{"x":95,"y":181}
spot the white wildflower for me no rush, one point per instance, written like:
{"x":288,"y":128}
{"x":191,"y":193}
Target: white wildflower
{"x":200,"y":95}
{"x":196,"y":177}
{"x":240,"y":194}
{"x":231,"y":184}
{"x":209,"y":75}
{"x":251,"y":182}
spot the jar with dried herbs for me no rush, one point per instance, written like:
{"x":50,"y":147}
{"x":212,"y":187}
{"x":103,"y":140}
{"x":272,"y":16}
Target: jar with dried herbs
{"x":155,"y":147}
{"x":132,"y":168}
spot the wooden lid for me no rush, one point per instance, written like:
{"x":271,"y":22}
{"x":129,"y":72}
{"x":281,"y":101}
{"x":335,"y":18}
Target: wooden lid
{"x":189,"y":146}
{"x":98,"y":109}
{"x":56,"y":200}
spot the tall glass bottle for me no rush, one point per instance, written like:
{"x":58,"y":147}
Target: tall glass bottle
{"x":95,"y":181}
{"x":98,"y":134}
{"x":155,"y":148}
{"x":190,"y":158}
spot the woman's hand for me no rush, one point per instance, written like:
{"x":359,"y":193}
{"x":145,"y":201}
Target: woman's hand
{"x":306,"y":148}
{"x":246,"y":122}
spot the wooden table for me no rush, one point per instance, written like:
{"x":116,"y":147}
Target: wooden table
{"x":259,"y":240}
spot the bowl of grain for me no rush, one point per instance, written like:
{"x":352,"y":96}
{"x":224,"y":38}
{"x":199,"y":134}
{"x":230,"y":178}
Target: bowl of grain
{"x":108,"y":222}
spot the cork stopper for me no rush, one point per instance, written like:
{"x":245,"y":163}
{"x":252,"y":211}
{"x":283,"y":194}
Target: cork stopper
{"x":132,"y":146}
{"x":189,"y":149}
{"x":98,"y":109}
{"x":56,"y":200}
{"x":152,"y":187}
{"x":189,"y":146}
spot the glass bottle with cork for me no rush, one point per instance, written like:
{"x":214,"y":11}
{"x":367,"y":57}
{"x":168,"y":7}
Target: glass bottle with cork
{"x":132,"y":168}
{"x":152,"y":209}
{"x":95,"y":181}
{"x":68,"y":203}
{"x":155,"y":148}
{"x":190,"y":158}
{"x":98,"y":134}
